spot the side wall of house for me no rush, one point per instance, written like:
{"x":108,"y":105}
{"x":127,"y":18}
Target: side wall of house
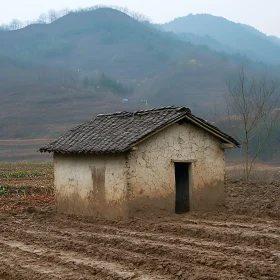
{"x":152,"y":172}
{"x":91,"y":185}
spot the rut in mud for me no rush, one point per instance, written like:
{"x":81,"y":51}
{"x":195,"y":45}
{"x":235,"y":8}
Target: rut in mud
{"x":240,"y":242}
{"x":44,"y":245}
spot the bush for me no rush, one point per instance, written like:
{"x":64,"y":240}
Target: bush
{"x":21,"y":174}
{"x":106,"y":82}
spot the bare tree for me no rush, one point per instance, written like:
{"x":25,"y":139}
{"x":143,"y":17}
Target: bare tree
{"x":64,"y":12}
{"x":42,"y":19}
{"x":252,"y":104}
{"x":4,"y":27}
{"x":139,"y":17}
{"x":74,"y":77}
{"x":15,"y":24}
{"x":52,"y":15}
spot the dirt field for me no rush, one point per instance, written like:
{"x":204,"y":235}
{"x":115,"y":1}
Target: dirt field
{"x":240,"y":242}
{"x":25,"y":184}
{"x":19,"y":150}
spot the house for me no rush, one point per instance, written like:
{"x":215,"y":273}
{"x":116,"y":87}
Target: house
{"x":159,"y":160}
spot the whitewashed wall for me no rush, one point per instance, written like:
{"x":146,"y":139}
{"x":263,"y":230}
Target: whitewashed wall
{"x":91,"y":185}
{"x":142,"y":181}
{"x":151,"y":175}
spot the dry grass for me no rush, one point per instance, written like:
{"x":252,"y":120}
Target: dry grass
{"x":23,"y":150}
{"x":25,"y":184}
{"x":261,"y":172}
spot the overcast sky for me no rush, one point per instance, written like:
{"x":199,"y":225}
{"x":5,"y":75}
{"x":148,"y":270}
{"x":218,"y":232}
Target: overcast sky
{"x":263,"y":15}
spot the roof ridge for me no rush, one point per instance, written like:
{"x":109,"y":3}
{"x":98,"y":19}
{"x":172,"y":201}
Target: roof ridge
{"x":118,"y":132}
{"x":129,"y":113}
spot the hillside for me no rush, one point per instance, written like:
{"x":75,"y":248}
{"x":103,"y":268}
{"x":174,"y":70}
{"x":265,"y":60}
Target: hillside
{"x":54,"y":76}
{"x":104,"y":39}
{"x":205,"y":40}
{"x":234,"y":36}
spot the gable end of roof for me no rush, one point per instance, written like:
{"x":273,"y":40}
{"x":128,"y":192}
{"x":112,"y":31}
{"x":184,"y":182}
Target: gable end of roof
{"x":118,"y":132}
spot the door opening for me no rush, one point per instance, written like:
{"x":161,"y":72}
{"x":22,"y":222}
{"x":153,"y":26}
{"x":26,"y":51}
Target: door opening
{"x":182,"y":202}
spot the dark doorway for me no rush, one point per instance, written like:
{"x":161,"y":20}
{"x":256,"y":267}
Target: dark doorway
{"x":182,"y":203}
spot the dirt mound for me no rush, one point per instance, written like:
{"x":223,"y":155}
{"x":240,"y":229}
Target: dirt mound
{"x":253,"y":198}
{"x":24,"y":185}
{"x":49,"y":246}
{"x":241,"y":241}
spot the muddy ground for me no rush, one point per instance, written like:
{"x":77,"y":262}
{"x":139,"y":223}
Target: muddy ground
{"x":240,"y":242}
{"x":25,"y":185}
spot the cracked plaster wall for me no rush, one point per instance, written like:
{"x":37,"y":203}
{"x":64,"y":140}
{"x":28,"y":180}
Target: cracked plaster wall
{"x":151,"y":173}
{"x":142,"y":181}
{"x":91,"y":185}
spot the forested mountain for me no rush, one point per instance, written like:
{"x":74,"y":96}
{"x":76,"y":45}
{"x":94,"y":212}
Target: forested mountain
{"x":206,"y":40}
{"x":53,"y":76}
{"x":275,"y":40}
{"x":104,"y":39}
{"x":233,"y":36}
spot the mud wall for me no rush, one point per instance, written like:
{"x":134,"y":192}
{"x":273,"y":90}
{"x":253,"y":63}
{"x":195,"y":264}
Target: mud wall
{"x":151,"y":173}
{"x":91,"y":185}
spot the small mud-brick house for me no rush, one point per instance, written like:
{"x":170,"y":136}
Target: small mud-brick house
{"x":158,"y":160}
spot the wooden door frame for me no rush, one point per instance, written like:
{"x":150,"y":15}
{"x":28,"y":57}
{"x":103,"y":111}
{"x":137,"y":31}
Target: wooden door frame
{"x":191,"y":171}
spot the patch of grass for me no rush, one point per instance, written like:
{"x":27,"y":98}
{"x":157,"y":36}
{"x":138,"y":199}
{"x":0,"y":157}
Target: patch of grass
{"x":21,"y":174}
{"x":42,"y":164}
{"x":14,"y":191}
{"x":3,"y":191}
{"x":260,"y":172}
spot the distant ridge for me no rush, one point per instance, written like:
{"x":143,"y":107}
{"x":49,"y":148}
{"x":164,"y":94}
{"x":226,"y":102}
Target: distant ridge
{"x":54,"y":76}
{"x":239,"y":37}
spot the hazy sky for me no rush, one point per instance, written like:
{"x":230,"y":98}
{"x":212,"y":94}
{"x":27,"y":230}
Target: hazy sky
{"x":262,"y":14}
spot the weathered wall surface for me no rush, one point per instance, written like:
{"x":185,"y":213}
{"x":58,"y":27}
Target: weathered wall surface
{"x":142,"y":181}
{"x":151,"y":173}
{"x":91,"y":185}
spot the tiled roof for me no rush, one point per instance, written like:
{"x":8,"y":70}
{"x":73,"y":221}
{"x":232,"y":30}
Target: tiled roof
{"x":118,"y":132}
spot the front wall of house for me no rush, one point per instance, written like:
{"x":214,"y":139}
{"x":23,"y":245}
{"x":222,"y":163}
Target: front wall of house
{"x":151,"y":173}
{"x":91,"y":185}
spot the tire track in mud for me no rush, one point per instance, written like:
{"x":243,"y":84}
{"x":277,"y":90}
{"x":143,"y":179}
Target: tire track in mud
{"x":209,"y":258}
{"x":255,"y":223}
{"x":234,"y":262}
{"x":226,"y":235}
{"x":265,"y":227}
{"x":69,"y":263}
{"x":201,"y":244}
{"x":211,"y":246}
{"x":17,"y":265}
{"x":158,"y":264}
{"x":146,"y":249}
{"x":229,"y":235}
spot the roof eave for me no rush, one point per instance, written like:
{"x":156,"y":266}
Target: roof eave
{"x":155,"y":131}
{"x":216,"y":133}
{"x":83,"y":153}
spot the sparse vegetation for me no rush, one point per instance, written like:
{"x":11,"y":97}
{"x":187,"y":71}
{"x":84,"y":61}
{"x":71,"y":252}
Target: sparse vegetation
{"x":25,"y":183}
{"x":50,"y":81}
{"x":104,"y":81}
{"x":53,"y":15}
{"x":252,"y":114}
{"x":226,"y":36}
{"x":21,"y":174}
{"x":263,"y":173}
{"x":58,"y":82}
{"x":3,"y":191}
{"x":31,"y":232}
{"x":26,"y":164}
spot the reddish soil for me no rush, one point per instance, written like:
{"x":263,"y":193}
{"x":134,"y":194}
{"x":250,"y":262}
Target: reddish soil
{"x":43,"y":245}
{"x":242,"y":242}
{"x":253,"y":198}
{"x":18,"y":150}
{"x":35,"y":188}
